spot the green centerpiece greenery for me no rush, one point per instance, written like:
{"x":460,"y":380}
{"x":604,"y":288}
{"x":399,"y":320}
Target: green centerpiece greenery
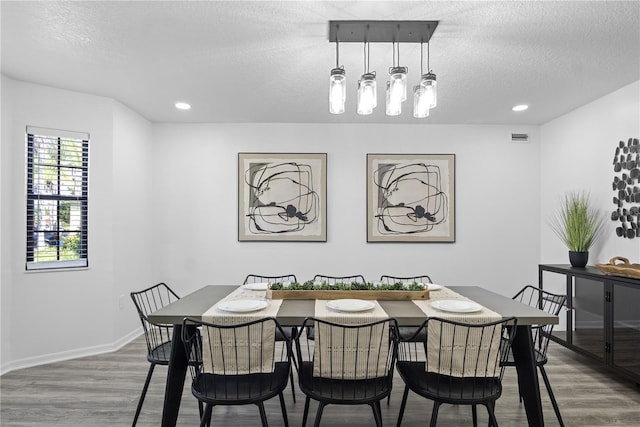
{"x":577,"y":222}
{"x":310,"y":285}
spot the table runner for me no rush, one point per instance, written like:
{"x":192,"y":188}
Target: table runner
{"x":482,"y":316}
{"x":245,"y":358}
{"x":337,"y":357}
{"x":450,"y":359}
{"x":456,"y":365}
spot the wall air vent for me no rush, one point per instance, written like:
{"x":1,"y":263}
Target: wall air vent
{"x":519,"y":137}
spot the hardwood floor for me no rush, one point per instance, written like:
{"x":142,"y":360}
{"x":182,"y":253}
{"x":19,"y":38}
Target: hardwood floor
{"x":103,"y":391}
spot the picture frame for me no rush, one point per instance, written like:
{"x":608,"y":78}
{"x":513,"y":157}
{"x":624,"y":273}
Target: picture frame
{"x":282,"y":197}
{"x":411,"y":198}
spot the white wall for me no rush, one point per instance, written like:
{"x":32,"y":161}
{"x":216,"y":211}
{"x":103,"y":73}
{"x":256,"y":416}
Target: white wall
{"x":195,"y":197}
{"x":72,"y":312}
{"x":577,"y":154}
{"x":163,"y":207}
{"x":132,"y":215}
{"x":6,"y":99}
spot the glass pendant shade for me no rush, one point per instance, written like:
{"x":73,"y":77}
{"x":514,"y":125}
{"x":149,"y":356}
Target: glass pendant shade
{"x":430,"y":84}
{"x":337,"y":91}
{"x":367,"y":94}
{"x":398,"y":82}
{"x":393,"y":103}
{"x":420,"y":105}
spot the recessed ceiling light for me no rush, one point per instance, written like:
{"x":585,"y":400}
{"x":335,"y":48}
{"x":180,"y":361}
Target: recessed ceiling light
{"x":521,"y":107}
{"x":182,"y":106}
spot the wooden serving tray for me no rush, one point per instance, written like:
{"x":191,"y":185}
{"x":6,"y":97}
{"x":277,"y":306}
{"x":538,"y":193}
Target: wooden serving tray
{"x":625,"y":269}
{"x":363,"y":294}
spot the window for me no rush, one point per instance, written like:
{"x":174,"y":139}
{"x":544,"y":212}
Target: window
{"x":57,"y":198}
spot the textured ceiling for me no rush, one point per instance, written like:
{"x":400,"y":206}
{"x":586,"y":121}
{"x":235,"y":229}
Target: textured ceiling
{"x":269,"y":61}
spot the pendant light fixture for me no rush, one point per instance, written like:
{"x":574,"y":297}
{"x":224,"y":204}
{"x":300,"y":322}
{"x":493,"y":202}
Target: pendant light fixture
{"x":367,"y":93}
{"x":337,"y":86}
{"x":394,"y":32}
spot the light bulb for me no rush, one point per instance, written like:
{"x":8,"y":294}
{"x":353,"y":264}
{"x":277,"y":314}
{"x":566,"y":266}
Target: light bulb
{"x":398,"y":81}
{"x":367,"y":94}
{"x":337,"y":91}
{"x":428,"y":81}
{"x":420,"y":105}
{"x":393,"y":102}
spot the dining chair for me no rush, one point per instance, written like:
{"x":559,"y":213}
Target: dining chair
{"x":346,"y":364}
{"x":257,"y":278}
{"x":406,"y":331}
{"x":459,"y":363}
{"x":157,"y":336}
{"x":239,"y":364}
{"x":390,"y":280}
{"x":289,"y":333}
{"x":552,"y":304}
{"x":357,"y":278}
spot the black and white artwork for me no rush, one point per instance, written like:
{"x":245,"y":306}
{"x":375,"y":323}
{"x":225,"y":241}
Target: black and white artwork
{"x":626,"y":188}
{"x":282,"y":197}
{"x":410,"y":197}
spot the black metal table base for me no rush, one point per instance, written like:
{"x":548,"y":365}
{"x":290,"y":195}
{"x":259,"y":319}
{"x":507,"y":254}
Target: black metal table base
{"x":524,"y":358}
{"x":177,"y":370}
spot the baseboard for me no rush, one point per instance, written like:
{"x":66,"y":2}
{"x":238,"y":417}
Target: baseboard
{"x":70,"y":354}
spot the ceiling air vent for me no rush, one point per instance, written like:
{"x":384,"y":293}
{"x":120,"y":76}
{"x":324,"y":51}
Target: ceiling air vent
{"x":519,"y":137}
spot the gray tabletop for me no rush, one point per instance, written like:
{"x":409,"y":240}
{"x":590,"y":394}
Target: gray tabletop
{"x":293,"y":312}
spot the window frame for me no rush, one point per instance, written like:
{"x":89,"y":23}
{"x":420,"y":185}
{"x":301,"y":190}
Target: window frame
{"x":35,"y":195}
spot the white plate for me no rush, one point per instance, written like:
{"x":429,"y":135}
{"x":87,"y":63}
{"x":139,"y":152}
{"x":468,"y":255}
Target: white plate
{"x":456,"y":306}
{"x":255,"y":286}
{"x":243,"y":305}
{"x":350,"y":305}
{"x":433,"y":286}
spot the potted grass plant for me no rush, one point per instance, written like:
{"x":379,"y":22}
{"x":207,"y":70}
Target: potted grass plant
{"x":578,"y":224}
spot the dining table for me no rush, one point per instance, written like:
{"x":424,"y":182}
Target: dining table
{"x":293,"y":312}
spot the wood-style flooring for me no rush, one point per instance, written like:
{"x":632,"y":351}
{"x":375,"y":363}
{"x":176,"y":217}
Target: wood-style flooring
{"x":103,"y":391}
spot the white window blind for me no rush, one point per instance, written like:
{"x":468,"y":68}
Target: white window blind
{"x":57,"y":198}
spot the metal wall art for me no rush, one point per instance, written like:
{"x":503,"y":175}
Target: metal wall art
{"x":410,"y":197}
{"x":626,"y":186}
{"x":282,"y":197}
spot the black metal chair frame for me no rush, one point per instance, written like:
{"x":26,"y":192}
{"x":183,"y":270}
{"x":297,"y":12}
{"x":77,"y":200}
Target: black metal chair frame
{"x":258,"y":278}
{"x":157,"y":336}
{"x":343,"y":391}
{"x":552,"y":304}
{"x":228,"y":386}
{"x":407,"y":331}
{"x":356,"y":278}
{"x":476,"y":389}
{"x":390,"y":280}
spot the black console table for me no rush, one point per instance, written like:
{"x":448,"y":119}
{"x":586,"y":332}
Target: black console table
{"x":603,"y":317}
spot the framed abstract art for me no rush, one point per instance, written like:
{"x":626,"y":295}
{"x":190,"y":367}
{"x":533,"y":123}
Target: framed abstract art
{"x":410,"y":197}
{"x":282,"y":197}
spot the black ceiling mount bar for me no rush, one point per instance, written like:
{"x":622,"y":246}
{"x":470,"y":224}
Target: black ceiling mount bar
{"x":381,"y":31}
